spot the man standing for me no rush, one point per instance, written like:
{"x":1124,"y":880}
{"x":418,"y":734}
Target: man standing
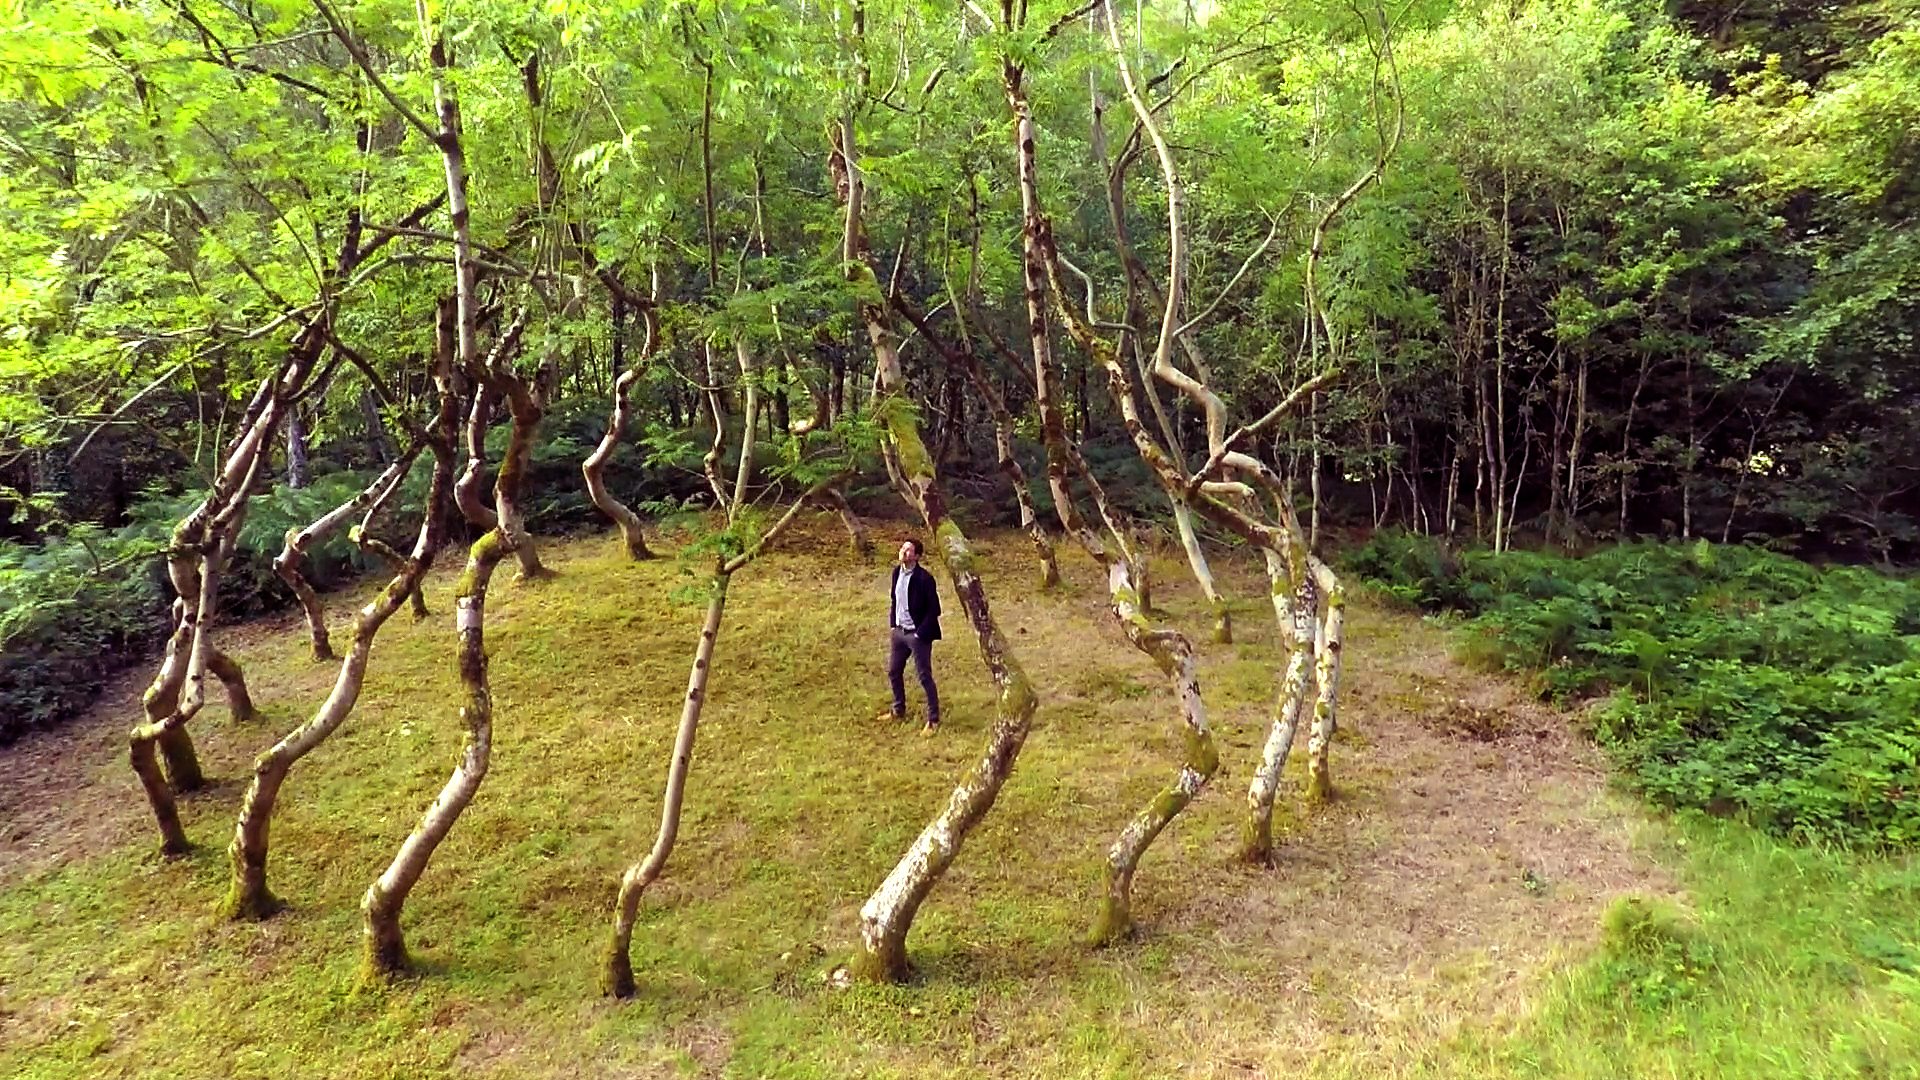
{"x":913,"y":615}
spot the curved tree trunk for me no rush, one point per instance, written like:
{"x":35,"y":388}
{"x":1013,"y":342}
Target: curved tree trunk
{"x":1327,"y":674}
{"x":1203,"y":573}
{"x":248,"y":896}
{"x":594,"y":468}
{"x":1294,"y":603}
{"x":616,"y":977}
{"x":298,"y":542}
{"x":202,"y":543}
{"x":513,"y":472}
{"x":386,"y":950}
{"x":1168,"y":648}
{"x":887,"y":916}
{"x":466,"y":490}
{"x":858,"y":540}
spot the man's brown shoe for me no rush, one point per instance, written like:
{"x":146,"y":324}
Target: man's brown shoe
{"x":928,"y":731}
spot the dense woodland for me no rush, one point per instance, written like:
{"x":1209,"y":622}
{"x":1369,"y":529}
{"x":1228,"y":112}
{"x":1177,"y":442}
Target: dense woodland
{"x":1636,"y":269}
{"x":1505,"y":273}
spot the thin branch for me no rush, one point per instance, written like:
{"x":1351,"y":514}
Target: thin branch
{"x":365,"y":62}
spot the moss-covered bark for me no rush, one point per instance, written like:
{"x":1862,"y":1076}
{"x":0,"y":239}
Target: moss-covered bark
{"x":385,"y":945}
{"x":1294,"y":604}
{"x":1167,"y":647}
{"x":887,"y":916}
{"x":1327,"y":674}
{"x":248,"y":895}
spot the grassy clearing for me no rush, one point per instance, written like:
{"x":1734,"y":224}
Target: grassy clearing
{"x":1443,"y":918}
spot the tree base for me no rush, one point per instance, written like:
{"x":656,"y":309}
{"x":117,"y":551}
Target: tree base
{"x":1113,"y":926}
{"x":1256,"y":843}
{"x":1320,"y":788}
{"x":384,"y":961}
{"x":886,"y":964}
{"x":616,"y":974}
{"x":181,"y":762}
{"x":250,"y":904}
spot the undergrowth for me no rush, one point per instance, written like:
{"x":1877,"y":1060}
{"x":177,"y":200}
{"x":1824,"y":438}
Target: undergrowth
{"x":1737,"y":679}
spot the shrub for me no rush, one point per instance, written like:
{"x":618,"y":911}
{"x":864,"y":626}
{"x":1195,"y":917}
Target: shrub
{"x":1744,"y":680}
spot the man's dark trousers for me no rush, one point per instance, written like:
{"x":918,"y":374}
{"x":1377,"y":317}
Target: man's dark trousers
{"x":905,"y":642}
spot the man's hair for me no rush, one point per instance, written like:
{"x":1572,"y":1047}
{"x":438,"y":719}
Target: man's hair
{"x":919,"y":549}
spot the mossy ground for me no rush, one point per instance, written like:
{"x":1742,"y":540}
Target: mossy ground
{"x":1441,"y":917}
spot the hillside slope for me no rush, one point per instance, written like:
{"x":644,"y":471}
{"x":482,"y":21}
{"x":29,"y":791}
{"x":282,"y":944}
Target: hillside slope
{"x":1472,"y":850}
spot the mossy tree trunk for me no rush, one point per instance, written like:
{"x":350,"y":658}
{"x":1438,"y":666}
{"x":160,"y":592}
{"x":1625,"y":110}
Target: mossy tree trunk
{"x":1294,"y":604}
{"x":887,"y":916}
{"x":386,"y":950}
{"x":959,"y":354}
{"x":248,"y":895}
{"x":202,"y":544}
{"x":1327,"y":675}
{"x":1167,"y":647}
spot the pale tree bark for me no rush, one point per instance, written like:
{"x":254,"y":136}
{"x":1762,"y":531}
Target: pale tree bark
{"x":386,"y":950}
{"x":1139,"y":280}
{"x":1294,"y":604}
{"x":887,"y":916}
{"x":1203,"y":573}
{"x":595,"y":466}
{"x":381,"y":907}
{"x":616,"y":977}
{"x":300,"y":541}
{"x":201,"y":546}
{"x":362,"y":534}
{"x":1167,"y":647}
{"x":248,"y":896}
{"x":1327,"y":676}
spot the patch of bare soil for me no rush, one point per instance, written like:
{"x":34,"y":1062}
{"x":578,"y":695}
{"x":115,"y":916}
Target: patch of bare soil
{"x":68,"y":792}
{"x":59,"y":797}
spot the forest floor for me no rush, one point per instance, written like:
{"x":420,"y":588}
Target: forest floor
{"x":1446,"y":915}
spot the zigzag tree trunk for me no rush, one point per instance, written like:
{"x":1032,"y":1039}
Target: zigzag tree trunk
{"x":887,"y":916}
{"x":248,"y":896}
{"x":1168,"y":648}
{"x":595,"y":466}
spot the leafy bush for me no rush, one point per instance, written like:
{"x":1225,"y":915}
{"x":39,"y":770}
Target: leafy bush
{"x":78,"y":609}
{"x":1741,"y":679}
{"x":1651,"y":956}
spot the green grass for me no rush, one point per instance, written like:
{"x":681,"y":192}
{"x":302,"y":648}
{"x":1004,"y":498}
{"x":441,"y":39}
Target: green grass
{"x":1784,"y":961}
{"x":1391,"y":941}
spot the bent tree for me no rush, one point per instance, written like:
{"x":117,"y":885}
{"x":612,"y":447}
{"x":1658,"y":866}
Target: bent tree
{"x":248,"y":896}
{"x":1167,"y":647}
{"x":887,"y":916}
{"x":733,"y":549}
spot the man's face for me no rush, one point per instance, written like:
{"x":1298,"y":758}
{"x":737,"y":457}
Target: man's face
{"x":908,"y":556}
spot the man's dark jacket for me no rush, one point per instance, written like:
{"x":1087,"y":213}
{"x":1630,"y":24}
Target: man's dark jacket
{"x":923,"y":603}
